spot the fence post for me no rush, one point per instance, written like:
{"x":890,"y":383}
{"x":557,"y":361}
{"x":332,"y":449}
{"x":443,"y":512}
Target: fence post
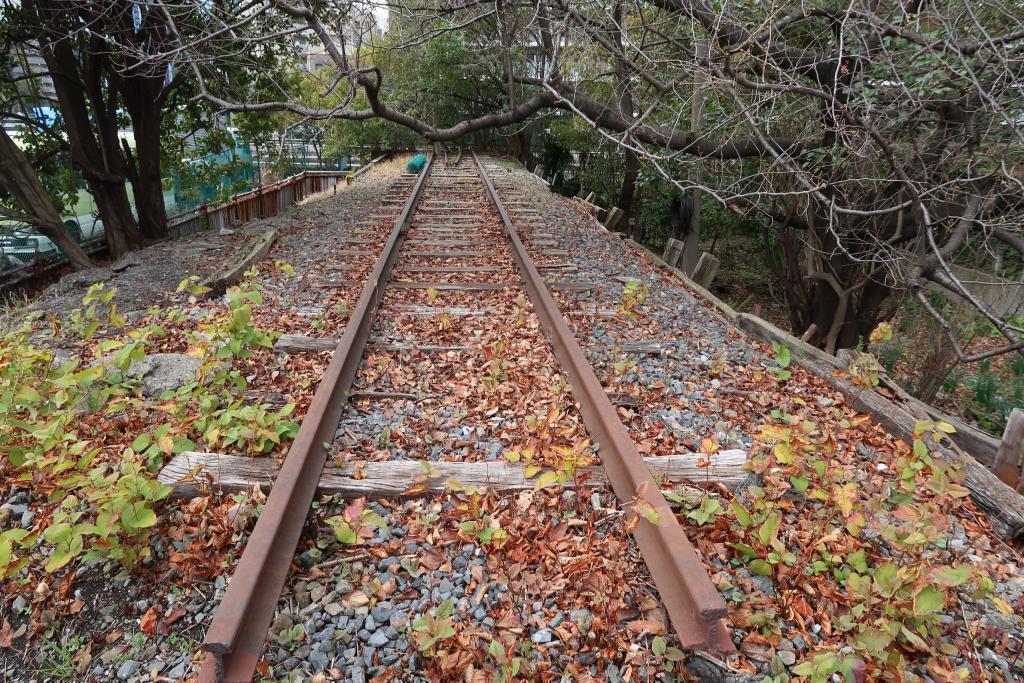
{"x":1010,"y":455}
{"x":613,"y":218}
{"x":707,"y":268}
{"x":204,"y":220}
{"x":673,"y":251}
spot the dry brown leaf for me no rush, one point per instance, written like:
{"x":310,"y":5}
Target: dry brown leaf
{"x":148,"y":622}
{"x":356,"y":599}
{"x":174,"y":616}
{"x":649,"y":626}
{"x":6,"y":634}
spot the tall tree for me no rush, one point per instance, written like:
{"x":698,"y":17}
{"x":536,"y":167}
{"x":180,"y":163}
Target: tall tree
{"x":144,"y":85}
{"x":77,"y":60}
{"x":19,"y":180}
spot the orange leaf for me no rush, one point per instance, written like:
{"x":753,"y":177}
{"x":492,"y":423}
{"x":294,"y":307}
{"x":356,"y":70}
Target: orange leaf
{"x":148,"y":622}
{"x":641,"y":626}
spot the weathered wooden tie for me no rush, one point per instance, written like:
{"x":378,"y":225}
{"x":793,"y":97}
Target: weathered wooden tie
{"x":193,"y":474}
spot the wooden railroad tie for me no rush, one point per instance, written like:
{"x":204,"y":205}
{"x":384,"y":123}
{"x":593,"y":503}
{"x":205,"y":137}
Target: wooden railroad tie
{"x":297,"y":343}
{"x":454,"y":286}
{"x":452,"y":269}
{"x":194,"y":474}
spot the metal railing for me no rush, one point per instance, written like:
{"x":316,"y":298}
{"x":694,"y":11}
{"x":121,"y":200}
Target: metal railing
{"x":263,"y":201}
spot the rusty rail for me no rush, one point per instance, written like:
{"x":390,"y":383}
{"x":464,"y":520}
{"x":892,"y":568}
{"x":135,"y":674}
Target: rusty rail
{"x":239,"y":628}
{"x":694,"y":605}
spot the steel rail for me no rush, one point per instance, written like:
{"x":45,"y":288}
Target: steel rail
{"x":694,"y":606}
{"x":238,"y":632}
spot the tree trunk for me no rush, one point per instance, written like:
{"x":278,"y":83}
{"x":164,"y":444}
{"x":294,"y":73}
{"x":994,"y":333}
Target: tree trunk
{"x":143,"y":101}
{"x":691,"y":252}
{"x":96,"y":151}
{"x":19,"y":179}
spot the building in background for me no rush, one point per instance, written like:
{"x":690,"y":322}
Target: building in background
{"x":362,"y":25}
{"x":26,"y":69}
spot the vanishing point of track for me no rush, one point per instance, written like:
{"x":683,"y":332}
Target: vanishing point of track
{"x":439,"y":224}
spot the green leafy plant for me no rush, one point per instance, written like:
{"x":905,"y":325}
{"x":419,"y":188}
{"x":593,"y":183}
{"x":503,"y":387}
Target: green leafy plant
{"x":123,"y":501}
{"x":894,"y":597}
{"x":634,"y":294}
{"x":355,"y":524}
{"x":192,"y":286}
{"x":620,"y":368}
{"x":430,"y":629}
{"x":485,"y":530}
{"x":480,"y":527}
{"x":86,"y":321}
{"x":292,"y":634}
{"x":782,"y":358}
{"x":672,"y":655}
{"x":507,"y":665}
{"x":107,"y":504}
{"x":699,"y":506}
{"x":496,"y":366}
{"x":63,"y":659}
{"x":247,"y":427}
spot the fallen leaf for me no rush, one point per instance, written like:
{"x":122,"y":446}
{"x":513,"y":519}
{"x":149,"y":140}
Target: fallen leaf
{"x":432,"y":558}
{"x":148,"y":622}
{"x":642,"y":626}
{"x":6,"y":634}
{"x":356,"y":599}
{"x":174,"y":616}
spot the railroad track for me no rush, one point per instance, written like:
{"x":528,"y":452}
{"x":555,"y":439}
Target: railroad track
{"x":448,"y":250}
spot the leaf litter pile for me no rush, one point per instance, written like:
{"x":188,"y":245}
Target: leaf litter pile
{"x":848,"y":553}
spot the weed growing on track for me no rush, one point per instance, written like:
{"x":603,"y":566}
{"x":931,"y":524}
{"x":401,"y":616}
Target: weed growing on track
{"x":63,"y":423}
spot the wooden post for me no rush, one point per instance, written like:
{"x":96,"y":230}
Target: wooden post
{"x":707,"y":268}
{"x":591,"y":198}
{"x":673,"y":252}
{"x":810,"y":333}
{"x":1009,"y":461}
{"x":613,"y":218}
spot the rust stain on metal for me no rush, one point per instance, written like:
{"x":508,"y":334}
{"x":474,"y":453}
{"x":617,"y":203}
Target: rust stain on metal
{"x":694,"y":605}
{"x":239,"y":628}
